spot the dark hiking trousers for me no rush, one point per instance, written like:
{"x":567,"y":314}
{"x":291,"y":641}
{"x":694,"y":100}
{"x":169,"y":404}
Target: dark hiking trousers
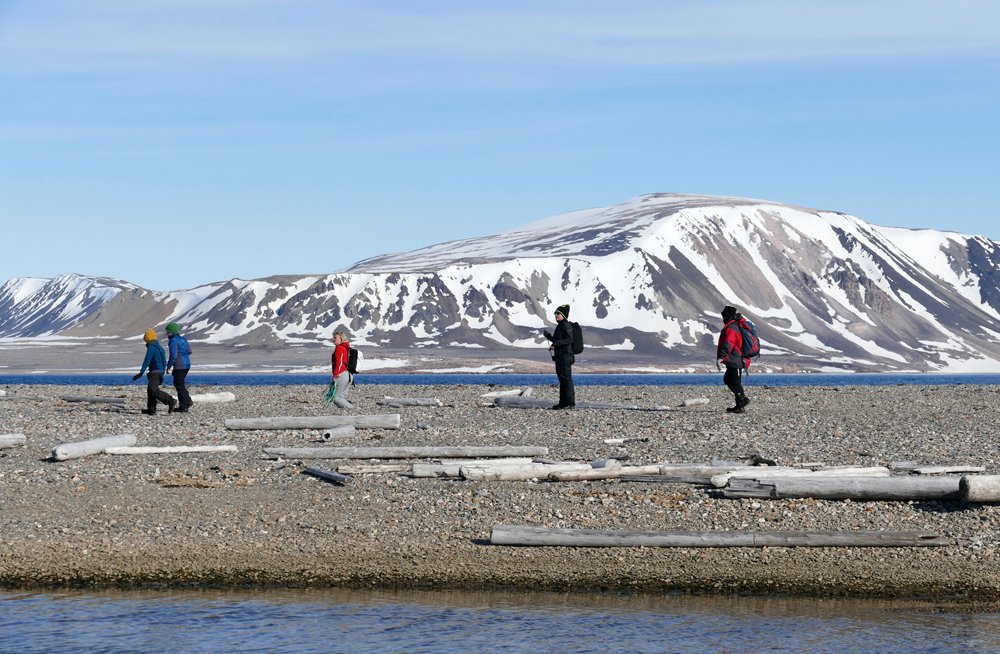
{"x":153,"y":392}
{"x":734,"y":380}
{"x":183,"y":397}
{"x":564,"y":372}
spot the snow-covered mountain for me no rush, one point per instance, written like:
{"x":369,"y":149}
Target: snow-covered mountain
{"x":827,"y":290}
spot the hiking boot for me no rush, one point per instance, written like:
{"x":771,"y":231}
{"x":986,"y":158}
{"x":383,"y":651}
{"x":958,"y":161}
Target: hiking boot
{"x":742,"y":401}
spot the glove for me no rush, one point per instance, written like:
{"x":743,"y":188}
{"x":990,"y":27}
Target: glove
{"x":136,"y":378}
{"x":547,"y":334}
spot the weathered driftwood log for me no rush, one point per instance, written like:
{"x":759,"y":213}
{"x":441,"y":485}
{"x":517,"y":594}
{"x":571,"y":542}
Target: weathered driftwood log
{"x":92,"y":446}
{"x":12,"y":440}
{"x":980,"y":488}
{"x":380,"y":421}
{"x":170,"y":449}
{"x":374,"y":469}
{"x":452,"y":469}
{"x":525,"y":392}
{"x":762,"y":472}
{"x":946,"y":470}
{"x":432,"y":452}
{"x":847,"y":488}
{"x":93,"y":399}
{"x":667,"y":479}
{"x":695,"y":401}
{"x":211,"y":398}
{"x":328,"y":475}
{"x":343,"y":431}
{"x":544,"y":536}
{"x":702,"y":471}
{"x":597,"y":474}
{"x":410,"y":401}
{"x":519,"y":402}
{"x":522,"y":472}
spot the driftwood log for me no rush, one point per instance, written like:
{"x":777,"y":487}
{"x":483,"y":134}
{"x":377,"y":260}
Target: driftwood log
{"x":946,"y":470}
{"x":980,"y":488}
{"x":762,"y":472}
{"x":12,"y":440}
{"x":452,"y":469}
{"x":597,"y":474}
{"x":847,"y":488}
{"x":381,"y":421}
{"x":409,"y":401}
{"x":170,"y":449}
{"x":695,"y":401}
{"x":513,"y":535}
{"x":374,"y":468}
{"x":212,"y":398}
{"x":92,"y":446}
{"x":343,"y":431}
{"x":523,"y":472}
{"x":328,"y":475}
{"x":401,"y":452}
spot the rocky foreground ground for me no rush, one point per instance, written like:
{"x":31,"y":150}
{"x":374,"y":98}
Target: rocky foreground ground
{"x":239,"y":519}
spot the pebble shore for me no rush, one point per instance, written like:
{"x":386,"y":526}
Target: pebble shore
{"x":240,"y":519}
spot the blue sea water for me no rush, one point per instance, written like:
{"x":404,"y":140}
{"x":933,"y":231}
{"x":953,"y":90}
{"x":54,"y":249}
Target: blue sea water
{"x":762,"y":379}
{"x":419,"y":622}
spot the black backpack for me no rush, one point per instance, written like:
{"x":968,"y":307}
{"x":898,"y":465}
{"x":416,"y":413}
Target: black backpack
{"x":577,"y":337}
{"x":352,"y":361}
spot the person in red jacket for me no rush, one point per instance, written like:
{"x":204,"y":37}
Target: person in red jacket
{"x":341,"y":377}
{"x":730,"y":354}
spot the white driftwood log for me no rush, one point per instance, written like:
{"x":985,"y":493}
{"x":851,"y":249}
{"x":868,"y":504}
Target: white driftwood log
{"x":430,"y":452}
{"x":452,"y":469}
{"x":328,"y":475}
{"x":343,"y":431}
{"x":212,"y":398}
{"x":92,"y":399}
{"x":525,"y":392}
{"x":170,"y":449}
{"x":980,"y":488}
{"x":597,"y":474}
{"x":380,"y":421}
{"x":946,"y":470}
{"x":522,"y":472}
{"x":374,"y":469}
{"x":695,"y":401}
{"x":92,"y":446}
{"x":12,"y":440}
{"x":557,"y":537}
{"x":409,"y":401}
{"x":847,"y":488}
{"x":762,"y":472}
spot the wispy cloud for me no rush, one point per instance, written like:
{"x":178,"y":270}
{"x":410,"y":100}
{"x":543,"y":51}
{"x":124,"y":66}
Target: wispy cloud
{"x":632,"y":34}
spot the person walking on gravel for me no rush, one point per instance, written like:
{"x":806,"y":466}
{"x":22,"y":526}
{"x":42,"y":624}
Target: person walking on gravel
{"x":561,"y":348}
{"x":178,"y":364}
{"x":341,"y":375}
{"x":730,"y":354}
{"x":156,"y":361}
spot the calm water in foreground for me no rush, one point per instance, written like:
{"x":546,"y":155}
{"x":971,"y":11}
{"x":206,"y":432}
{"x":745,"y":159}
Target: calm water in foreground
{"x":413,"y":622}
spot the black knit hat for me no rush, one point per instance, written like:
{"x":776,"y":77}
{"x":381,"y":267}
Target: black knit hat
{"x":564,"y":310}
{"x":728,"y":313}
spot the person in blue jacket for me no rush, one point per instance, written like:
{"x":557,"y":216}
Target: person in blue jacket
{"x":156,"y":361}
{"x":179,"y":364}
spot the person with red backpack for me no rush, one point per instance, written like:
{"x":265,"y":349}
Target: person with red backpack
{"x":730,"y":354}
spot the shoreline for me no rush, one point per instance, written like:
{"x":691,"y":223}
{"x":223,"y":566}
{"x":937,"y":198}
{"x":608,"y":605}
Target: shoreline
{"x":239,"y":520}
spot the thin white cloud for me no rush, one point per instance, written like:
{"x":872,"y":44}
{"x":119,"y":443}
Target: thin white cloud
{"x":112,"y":34}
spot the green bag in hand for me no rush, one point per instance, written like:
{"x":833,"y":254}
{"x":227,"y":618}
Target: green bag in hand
{"x":331,"y":393}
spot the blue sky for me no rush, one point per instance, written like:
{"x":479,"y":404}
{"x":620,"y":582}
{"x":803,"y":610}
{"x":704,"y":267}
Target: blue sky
{"x":173,"y":143}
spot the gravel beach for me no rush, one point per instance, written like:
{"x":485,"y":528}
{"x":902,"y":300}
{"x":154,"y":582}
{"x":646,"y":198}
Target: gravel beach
{"x":240,"y":519}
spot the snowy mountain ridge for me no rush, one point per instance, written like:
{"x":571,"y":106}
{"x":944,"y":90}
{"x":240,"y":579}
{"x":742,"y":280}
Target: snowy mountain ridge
{"x":829,"y":291}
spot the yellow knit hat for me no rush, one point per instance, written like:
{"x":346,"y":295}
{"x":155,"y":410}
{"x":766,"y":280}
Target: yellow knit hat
{"x":150,"y":335}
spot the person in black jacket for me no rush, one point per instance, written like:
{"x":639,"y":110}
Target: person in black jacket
{"x":561,"y":348}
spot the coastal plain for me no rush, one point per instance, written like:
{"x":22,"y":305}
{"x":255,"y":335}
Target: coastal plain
{"x":239,"y":519}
